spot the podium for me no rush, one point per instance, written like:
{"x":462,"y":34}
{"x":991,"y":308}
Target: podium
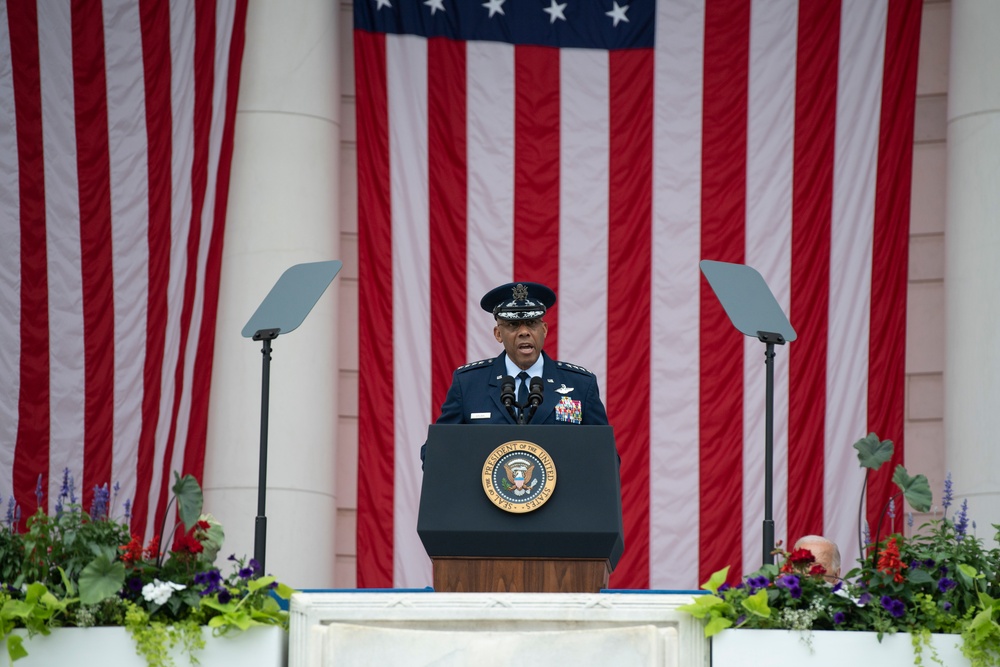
{"x":570,"y":544}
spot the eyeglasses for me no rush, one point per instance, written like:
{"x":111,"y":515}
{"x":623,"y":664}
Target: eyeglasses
{"x":515,"y":325}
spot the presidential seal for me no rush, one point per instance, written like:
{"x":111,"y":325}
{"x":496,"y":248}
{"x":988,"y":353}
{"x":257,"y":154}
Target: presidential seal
{"x":519,"y":476}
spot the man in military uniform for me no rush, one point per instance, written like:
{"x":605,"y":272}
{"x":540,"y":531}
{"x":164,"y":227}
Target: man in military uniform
{"x":569,"y":393}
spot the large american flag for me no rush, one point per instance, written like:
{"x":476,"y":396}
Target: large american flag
{"x":604,"y":147}
{"x":116,"y":125}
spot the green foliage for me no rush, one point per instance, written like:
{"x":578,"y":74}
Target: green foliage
{"x":941,"y":579}
{"x":189,"y":499}
{"x":872,"y":452}
{"x":916,"y":490}
{"x":154,"y":639}
{"x":74,"y":569}
{"x":101,"y":579}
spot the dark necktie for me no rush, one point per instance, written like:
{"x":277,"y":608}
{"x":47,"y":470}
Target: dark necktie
{"x":522,"y":392}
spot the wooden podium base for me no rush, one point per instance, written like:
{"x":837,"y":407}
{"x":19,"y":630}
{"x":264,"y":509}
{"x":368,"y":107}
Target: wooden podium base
{"x":512,"y":575}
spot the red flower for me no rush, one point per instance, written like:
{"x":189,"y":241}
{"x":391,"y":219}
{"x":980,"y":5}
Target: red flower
{"x":153,"y":548}
{"x":132,"y":550}
{"x":187,"y":543}
{"x":817,"y":570}
{"x":889,"y":562}
{"x":802,"y":557}
{"x":798,"y":561}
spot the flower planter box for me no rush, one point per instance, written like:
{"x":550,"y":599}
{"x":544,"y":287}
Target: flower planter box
{"x":827,"y":648}
{"x":114,"y":647}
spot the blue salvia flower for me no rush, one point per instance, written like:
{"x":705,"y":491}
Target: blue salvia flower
{"x":10,"y":513}
{"x":909,"y":519}
{"x":64,"y":489}
{"x":962,"y":521}
{"x":867,"y":533}
{"x":99,"y":505}
{"x":128,"y":509}
{"x":892,"y":509}
{"x":39,"y":494}
{"x":948,"y":495}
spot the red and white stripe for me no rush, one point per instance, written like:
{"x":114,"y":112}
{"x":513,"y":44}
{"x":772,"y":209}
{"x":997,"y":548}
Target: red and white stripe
{"x":761,"y":133}
{"x":115,"y":143}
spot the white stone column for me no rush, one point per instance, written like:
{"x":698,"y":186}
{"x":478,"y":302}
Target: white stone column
{"x":972,"y":273}
{"x":282,"y":212}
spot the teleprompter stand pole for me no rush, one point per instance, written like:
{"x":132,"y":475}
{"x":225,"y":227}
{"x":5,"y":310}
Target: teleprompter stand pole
{"x":260,"y":525}
{"x":754,"y":311}
{"x":769,"y":339}
{"x":281,"y":312}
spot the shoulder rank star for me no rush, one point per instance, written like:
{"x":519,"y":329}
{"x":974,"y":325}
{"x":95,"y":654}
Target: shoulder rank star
{"x":564,"y":389}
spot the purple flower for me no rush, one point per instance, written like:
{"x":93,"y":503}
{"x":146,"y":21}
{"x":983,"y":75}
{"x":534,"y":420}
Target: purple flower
{"x":756,"y":583}
{"x":255,"y":565}
{"x":892,"y":508}
{"x":247,"y":572}
{"x":791,"y":582}
{"x":10,"y":512}
{"x":39,"y":494}
{"x":128,"y":509}
{"x":134,"y":584}
{"x":865,"y":598}
{"x":837,"y":586}
{"x":945,"y":584}
{"x":948,"y":496}
{"x":225,"y":596}
{"x":742,"y":618}
{"x":99,"y":506}
{"x":839,"y":618}
{"x":946,"y":606}
{"x":722,"y":589}
{"x":64,"y":489}
{"x":895,"y":607}
{"x":962,"y":521}
{"x":211,"y":580}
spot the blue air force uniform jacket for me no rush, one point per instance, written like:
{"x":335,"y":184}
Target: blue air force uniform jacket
{"x":570,"y":394}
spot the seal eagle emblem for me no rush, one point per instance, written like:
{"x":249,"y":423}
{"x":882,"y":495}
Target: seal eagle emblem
{"x":519,"y":476}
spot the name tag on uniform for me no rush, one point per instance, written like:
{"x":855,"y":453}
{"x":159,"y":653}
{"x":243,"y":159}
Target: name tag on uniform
{"x":479,"y":415}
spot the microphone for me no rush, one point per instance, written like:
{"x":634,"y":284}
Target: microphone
{"x":535,"y":396}
{"x":507,"y":390}
{"x":535,"y":392}
{"x":507,"y":394}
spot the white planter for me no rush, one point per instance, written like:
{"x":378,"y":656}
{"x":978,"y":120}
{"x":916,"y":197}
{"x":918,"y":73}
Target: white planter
{"x":113,"y":647}
{"x":828,"y":648}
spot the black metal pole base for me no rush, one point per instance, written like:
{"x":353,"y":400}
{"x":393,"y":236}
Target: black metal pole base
{"x":260,"y":540}
{"x":768,"y":542}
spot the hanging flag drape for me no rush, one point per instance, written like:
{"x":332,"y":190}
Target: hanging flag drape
{"x":116,"y":124}
{"x":603,"y":149}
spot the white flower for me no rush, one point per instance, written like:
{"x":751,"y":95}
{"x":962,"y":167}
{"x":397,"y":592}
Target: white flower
{"x":160,"y":591}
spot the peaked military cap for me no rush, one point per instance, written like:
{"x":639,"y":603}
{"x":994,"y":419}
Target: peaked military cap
{"x":518,"y":301}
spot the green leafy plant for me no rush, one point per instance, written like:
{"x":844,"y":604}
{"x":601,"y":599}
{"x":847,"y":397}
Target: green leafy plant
{"x":83,"y":568}
{"x":940,"y":579}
